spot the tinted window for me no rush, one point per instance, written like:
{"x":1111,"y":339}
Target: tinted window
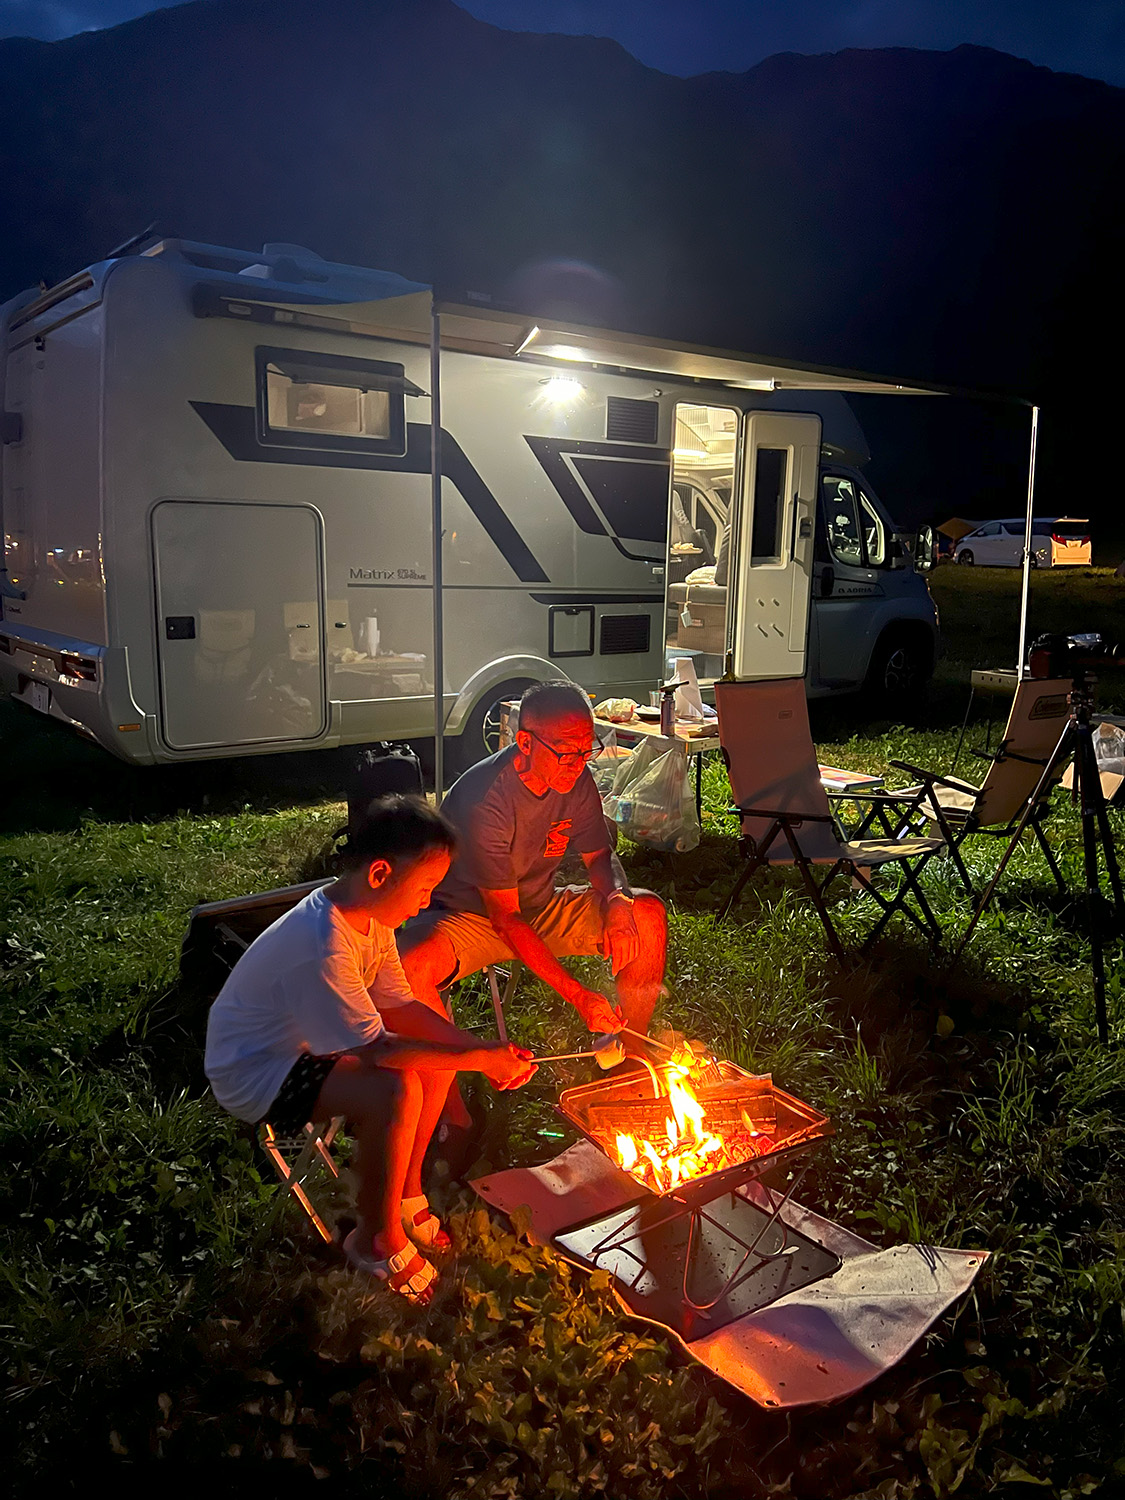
{"x":1078,"y":531}
{"x":991,"y":529}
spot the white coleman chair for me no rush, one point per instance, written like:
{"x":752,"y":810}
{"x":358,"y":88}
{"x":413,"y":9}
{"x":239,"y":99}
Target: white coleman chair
{"x":785,"y":813}
{"x":956,"y":808}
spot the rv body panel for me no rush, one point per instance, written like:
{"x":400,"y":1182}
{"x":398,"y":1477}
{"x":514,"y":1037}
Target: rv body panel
{"x":257,"y":499}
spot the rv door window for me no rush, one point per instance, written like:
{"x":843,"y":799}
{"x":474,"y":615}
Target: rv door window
{"x":766,"y":542}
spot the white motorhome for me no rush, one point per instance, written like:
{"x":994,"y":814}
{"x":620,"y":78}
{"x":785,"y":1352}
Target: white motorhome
{"x":216,"y":488}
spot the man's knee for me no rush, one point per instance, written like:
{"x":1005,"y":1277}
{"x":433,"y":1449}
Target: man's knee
{"x":650,"y":915}
{"x":430,"y":964}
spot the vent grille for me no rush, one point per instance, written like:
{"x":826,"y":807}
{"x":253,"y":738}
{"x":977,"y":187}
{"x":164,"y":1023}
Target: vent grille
{"x":624,"y":635}
{"x":628,"y":421}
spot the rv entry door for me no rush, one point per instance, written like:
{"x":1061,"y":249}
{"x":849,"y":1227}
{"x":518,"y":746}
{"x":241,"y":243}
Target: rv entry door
{"x":239,"y":623}
{"x":773,"y":549}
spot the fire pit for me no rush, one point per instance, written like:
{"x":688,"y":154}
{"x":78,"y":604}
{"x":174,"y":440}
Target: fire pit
{"x":697,"y":1245}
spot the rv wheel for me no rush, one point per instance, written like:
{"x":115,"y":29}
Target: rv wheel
{"x":900,"y":668}
{"x":480,"y":734}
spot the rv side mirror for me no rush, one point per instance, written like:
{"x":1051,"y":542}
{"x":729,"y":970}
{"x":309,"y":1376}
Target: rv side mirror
{"x":924,"y":549}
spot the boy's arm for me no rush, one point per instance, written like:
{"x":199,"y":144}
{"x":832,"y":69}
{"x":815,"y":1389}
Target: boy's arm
{"x":425,"y":1042}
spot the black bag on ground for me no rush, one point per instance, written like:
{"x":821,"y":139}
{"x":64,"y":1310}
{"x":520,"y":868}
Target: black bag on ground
{"x":378,"y":771}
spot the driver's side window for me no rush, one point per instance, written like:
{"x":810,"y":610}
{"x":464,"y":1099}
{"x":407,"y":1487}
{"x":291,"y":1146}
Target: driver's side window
{"x":842,"y":520}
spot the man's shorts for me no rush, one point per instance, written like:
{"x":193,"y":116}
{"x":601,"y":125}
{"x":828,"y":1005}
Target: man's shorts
{"x":572,"y":923}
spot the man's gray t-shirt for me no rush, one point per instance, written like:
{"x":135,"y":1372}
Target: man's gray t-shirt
{"x":509,"y":838}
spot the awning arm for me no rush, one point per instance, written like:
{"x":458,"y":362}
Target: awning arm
{"x":1021,"y":668}
{"x":435,"y":514}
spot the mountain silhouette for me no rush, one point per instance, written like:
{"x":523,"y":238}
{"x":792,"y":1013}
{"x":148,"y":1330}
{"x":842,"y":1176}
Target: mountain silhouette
{"x":952,"y":217}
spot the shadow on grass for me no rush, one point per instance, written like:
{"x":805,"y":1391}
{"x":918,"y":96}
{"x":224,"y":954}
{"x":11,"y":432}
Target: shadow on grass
{"x":54,"y":781}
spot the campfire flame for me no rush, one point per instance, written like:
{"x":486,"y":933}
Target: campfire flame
{"x":688,"y":1149}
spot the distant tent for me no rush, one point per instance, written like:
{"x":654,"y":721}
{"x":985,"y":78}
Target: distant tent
{"x":955,"y":528}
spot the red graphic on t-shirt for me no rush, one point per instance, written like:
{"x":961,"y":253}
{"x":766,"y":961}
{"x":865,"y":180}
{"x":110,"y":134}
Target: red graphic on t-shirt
{"x":558,"y":836}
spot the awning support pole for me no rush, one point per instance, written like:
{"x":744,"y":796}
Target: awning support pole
{"x":1020,"y":660}
{"x":436,"y":580}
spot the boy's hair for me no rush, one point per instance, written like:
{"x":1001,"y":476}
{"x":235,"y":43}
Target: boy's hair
{"x":543,"y":702}
{"x":396,"y":828}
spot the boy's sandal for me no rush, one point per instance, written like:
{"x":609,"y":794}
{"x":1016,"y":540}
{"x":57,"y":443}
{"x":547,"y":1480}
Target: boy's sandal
{"x":423,"y":1226}
{"x":406,"y":1272}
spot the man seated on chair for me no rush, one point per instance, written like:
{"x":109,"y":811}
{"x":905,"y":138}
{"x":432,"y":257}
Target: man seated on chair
{"x":317,"y":1020}
{"x":517,"y":815}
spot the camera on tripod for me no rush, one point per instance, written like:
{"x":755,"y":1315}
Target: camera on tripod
{"x":1072,"y":655}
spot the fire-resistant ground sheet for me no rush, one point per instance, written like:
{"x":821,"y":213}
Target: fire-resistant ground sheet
{"x":817,"y":1344}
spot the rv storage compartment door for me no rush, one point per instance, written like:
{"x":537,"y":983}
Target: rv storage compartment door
{"x":773,"y":561}
{"x":239,"y":623}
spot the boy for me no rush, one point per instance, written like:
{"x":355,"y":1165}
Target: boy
{"x":317,"y":1019}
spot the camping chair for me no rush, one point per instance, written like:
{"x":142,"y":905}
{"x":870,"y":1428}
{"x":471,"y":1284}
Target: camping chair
{"x":786,"y":818}
{"x":218,"y":934}
{"x":956,"y":808}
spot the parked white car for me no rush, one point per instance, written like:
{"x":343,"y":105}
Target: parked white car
{"x":1054,"y":543}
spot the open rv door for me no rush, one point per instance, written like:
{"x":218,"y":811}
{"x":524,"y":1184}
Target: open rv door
{"x":773,"y":554}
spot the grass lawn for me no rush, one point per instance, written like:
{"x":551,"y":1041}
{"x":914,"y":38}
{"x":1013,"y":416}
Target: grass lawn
{"x":167,"y":1320}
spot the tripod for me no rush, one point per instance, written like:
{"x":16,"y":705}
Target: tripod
{"x":1077,"y":736}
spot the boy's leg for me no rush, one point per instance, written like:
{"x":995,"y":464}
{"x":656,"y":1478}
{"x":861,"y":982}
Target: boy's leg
{"x":384,"y":1107}
{"x":434,"y":954}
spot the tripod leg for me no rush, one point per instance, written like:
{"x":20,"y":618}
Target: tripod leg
{"x":1109,"y":850}
{"x":1086,"y":770}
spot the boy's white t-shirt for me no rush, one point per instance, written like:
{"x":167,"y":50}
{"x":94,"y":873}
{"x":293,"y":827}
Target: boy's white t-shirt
{"x":308,"y":983}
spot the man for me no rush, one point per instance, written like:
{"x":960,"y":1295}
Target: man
{"x":317,"y":1020}
{"x":517,"y":815}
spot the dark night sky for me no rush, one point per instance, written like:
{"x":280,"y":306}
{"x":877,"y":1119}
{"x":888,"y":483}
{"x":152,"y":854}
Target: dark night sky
{"x":697,"y":36}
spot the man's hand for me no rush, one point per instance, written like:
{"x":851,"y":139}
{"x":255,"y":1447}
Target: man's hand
{"x":622,"y":941}
{"x":598,"y":1014}
{"x":508,"y":1066}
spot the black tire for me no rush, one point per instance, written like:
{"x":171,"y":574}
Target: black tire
{"x":900,"y":668}
{"x":478,"y":737}
{"x":966,"y":557}
{"x":1033,"y":561}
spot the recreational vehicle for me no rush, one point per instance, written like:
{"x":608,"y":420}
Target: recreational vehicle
{"x":216,"y":503}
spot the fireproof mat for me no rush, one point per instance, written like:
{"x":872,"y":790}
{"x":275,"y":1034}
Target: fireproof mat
{"x":816,"y":1343}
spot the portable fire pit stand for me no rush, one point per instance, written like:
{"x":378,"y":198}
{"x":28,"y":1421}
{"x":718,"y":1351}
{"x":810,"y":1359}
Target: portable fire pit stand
{"x":698,"y":1265}
{"x":702,"y":1254}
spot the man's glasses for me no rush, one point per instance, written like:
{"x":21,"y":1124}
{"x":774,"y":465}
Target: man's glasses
{"x":567,"y":758}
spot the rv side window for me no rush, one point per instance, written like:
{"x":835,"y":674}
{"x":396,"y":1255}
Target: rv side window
{"x":307,"y":406}
{"x":769,"y":505}
{"x":312,"y":400}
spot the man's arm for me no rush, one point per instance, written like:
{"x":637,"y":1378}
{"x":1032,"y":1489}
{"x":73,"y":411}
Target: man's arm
{"x":611,"y":883}
{"x":503,"y":908}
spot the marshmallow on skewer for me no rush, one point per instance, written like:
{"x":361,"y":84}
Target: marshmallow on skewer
{"x":608,"y":1050}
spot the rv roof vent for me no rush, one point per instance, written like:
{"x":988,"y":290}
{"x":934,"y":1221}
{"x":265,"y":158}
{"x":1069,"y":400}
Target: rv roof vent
{"x":628,"y":421}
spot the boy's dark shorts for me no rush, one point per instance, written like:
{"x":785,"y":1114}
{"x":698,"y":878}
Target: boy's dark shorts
{"x":292,"y":1108}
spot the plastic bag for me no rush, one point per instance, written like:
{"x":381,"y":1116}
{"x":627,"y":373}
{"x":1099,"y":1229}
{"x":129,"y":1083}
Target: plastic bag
{"x":1109,"y":748}
{"x":652,"y":802}
{"x":607,"y":763}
